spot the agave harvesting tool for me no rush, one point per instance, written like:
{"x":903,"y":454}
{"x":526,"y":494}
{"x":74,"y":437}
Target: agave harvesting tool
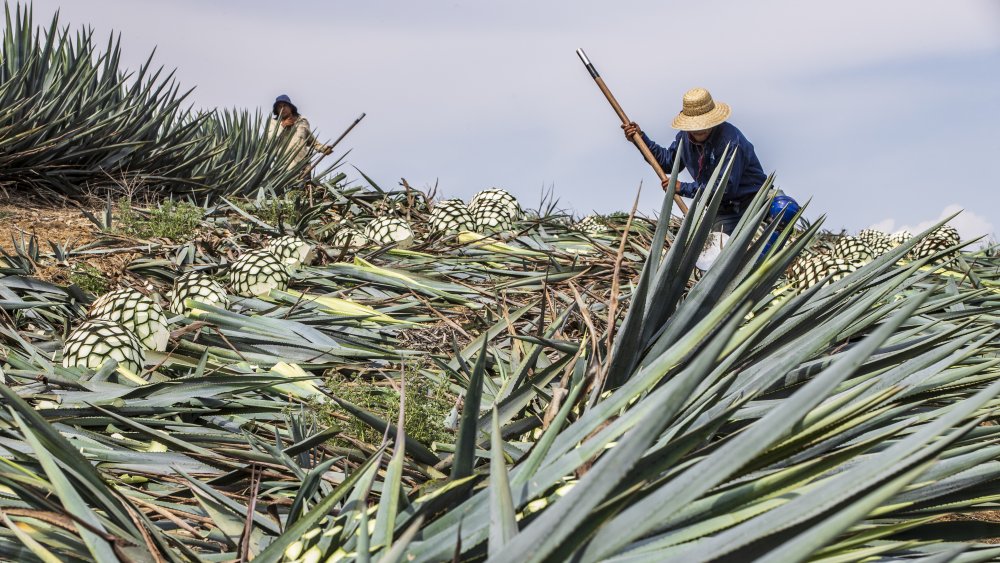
{"x":332,"y":146}
{"x":339,"y":139}
{"x":637,"y":138}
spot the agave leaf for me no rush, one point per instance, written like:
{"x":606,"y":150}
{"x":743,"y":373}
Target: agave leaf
{"x":465,"y":449}
{"x":385,"y":517}
{"x":503,"y":524}
{"x":275,"y":550}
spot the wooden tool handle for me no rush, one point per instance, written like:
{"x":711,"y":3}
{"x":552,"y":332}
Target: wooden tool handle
{"x":637,"y":138}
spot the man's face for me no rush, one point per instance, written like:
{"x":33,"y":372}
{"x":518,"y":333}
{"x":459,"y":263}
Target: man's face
{"x":284,"y":110}
{"x":700,"y":136}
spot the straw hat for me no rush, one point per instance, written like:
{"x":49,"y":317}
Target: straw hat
{"x":700,"y":112}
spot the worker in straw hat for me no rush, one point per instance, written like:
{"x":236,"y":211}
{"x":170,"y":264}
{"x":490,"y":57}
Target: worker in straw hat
{"x":706,"y":133}
{"x":286,"y":121}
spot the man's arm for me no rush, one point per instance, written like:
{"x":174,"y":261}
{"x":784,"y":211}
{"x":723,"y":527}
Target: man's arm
{"x":665,"y":156}
{"x":310,"y":139}
{"x":688,"y":189}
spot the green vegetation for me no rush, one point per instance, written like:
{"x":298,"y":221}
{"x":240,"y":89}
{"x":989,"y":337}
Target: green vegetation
{"x":824,"y":400}
{"x":136,"y":125}
{"x":171,"y":220}
{"x":427,"y":406}
{"x":88,"y":278}
{"x":274,"y":211}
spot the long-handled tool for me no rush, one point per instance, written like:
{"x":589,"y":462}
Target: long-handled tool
{"x":312,"y":166}
{"x":637,"y":139}
{"x":335,"y":143}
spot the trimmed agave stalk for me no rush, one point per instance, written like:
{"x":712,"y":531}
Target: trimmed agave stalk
{"x":871,"y":236}
{"x":137,"y":313}
{"x":805,"y":274}
{"x":292,"y":250}
{"x":96,"y":341}
{"x":198,"y":287}
{"x":591,"y":224}
{"x":390,"y":230}
{"x":930,"y":246}
{"x":349,"y":238}
{"x":494,"y":194}
{"x":899,"y":237}
{"x":451,"y":216}
{"x":494,"y":215}
{"x":852,"y":249}
{"x":256,"y":273}
{"x":880,"y":246}
{"x":948,"y":233}
{"x":494,"y":210}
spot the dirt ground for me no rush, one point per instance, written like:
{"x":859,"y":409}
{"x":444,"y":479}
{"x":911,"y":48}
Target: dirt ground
{"x":65,"y":225}
{"x":62,"y":225}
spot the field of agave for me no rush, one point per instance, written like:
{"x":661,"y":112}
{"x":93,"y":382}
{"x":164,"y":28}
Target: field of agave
{"x":823,"y":398}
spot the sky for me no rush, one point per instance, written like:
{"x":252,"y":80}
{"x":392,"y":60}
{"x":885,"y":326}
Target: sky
{"x":881,"y":113}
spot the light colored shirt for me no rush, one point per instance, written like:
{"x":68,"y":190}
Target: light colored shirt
{"x":302,"y":141}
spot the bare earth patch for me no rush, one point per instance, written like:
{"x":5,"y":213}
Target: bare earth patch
{"x":62,"y":225}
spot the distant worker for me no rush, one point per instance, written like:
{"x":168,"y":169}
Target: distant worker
{"x":706,"y":133}
{"x":286,"y":121}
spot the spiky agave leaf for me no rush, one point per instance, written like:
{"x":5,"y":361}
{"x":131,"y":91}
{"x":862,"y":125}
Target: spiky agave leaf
{"x":199,"y":287}
{"x":389,"y":230}
{"x":97,"y":340}
{"x":451,"y":216}
{"x":137,"y":313}
{"x":256,"y":273}
{"x":292,"y":250}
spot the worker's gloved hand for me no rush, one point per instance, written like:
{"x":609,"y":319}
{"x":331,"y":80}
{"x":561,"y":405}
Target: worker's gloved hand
{"x":631,"y":129}
{"x":327,"y":149}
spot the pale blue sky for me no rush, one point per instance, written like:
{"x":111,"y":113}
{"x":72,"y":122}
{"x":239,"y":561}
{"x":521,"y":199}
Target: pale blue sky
{"x":880,"y":111}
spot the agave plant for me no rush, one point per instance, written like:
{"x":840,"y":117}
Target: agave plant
{"x":606,"y":399}
{"x":196,"y":286}
{"x":74,"y":117}
{"x":135,"y":312}
{"x":257,"y":273}
{"x":98,"y":340}
{"x":594,"y":419}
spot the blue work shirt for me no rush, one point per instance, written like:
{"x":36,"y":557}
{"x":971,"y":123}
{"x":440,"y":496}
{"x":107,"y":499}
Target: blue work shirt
{"x":745,"y":178}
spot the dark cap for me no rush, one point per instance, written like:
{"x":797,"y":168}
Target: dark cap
{"x":283,"y":98}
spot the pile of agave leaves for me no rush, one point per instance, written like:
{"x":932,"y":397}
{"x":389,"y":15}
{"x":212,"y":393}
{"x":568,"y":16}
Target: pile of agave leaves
{"x":616,"y":403}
